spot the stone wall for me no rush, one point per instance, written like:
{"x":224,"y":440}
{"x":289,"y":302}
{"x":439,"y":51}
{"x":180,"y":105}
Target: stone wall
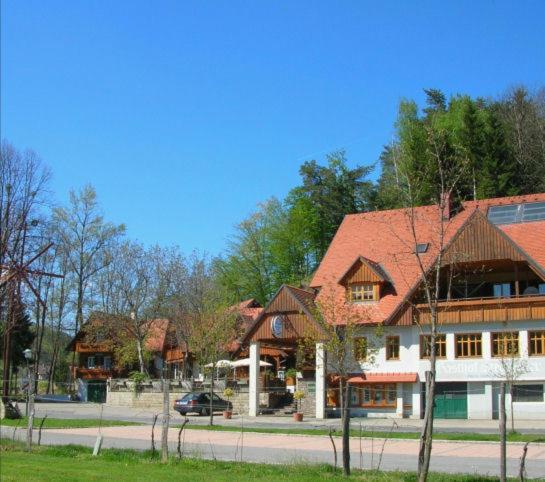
{"x":140,"y":399}
{"x":153,"y":398}
{"x":308,"y":404}
{"x":241,"y":403}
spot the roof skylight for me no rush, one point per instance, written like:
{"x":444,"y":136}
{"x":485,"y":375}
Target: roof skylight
{"x":422,"y":247}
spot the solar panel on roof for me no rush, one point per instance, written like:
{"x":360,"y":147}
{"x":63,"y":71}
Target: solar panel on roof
{"x":517,"y":213}
{"x":503,"y":214}
{"x":533,"y":211}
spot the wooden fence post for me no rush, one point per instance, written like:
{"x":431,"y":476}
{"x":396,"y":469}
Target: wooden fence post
{"x":166,"y":415}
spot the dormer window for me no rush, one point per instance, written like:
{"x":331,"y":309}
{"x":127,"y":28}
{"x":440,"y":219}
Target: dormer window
{"x":363,"y":292}
{"x":364,"y":280}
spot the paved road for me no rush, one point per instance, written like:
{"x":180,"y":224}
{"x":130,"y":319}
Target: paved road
{"x":455,"y":457}
{"x":144,"y":415}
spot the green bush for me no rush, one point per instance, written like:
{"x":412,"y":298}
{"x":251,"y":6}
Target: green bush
{"x":42,"y":387}
{"x":138,"y":378}
{"x":291,"y":373}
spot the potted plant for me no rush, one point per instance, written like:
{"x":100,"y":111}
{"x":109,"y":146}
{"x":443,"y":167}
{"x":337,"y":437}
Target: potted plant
{"x":291,"y":376}
{"x":228,"y":393}
{"x":298,"y":396}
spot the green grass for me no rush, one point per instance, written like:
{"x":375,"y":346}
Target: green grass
{"x":461,"y":436}
{"x":65,"y":423}
{"x":75,"y":463}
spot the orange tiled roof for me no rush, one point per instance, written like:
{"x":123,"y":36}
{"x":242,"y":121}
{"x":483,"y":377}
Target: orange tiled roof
{"x":157,"y":332}
{"x":248,"y":310}
{"x":405,"y":377}
{"x":385,"y":238}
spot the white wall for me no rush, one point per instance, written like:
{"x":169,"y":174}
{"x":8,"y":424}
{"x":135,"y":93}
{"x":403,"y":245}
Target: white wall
{"x":481,"y":369}
{"x":480,"y":373}
{"x":479,"y":400}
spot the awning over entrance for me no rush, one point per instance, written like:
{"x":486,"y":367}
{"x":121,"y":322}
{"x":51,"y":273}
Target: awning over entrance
{"x":406,"y":377}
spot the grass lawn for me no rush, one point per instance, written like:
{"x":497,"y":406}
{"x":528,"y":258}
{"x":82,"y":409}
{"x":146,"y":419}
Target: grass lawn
{"x":480,"y":437}
{"x":71,"y":462}
{"x":64,"y":423}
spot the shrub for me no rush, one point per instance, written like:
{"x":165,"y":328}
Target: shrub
{"x":138,"y":378}
{"x":228,"y":393}
{"x":298,"y":396}
{"x":291,"y":373}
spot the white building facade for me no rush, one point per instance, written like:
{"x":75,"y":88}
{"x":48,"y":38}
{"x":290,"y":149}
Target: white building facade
{"x":471,"y":383}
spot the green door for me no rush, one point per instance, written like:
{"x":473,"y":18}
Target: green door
{"x":450,"y":405}
{"x":96,"y":391}
{"x":450,"y":400}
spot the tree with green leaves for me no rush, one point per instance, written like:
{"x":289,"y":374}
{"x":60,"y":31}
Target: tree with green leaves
{"x":327,"y":194}
{"x":468,"y":126}
{"x":522,"y":114}
{"x":283,"y":242}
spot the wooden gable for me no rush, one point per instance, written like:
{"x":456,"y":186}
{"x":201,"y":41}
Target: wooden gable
{"x":363,"y":270}
{"x":480,"y":240}
{"x":297,"y":320}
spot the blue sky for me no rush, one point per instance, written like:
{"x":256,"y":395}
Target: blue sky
{"x":186,"y":114}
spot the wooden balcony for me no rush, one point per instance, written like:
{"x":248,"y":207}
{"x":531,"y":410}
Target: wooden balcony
{"x":174,"y":354}
{"x":484,"y":310}
{"x":93,"y":373}
{"x":81,"y":347}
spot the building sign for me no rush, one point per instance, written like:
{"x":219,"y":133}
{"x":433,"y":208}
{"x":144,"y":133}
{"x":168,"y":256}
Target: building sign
{"x":277,"y":326}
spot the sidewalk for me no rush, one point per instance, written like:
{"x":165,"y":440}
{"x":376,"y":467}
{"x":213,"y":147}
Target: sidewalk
{"x":91,"y":410}
{"x":454,"y":457}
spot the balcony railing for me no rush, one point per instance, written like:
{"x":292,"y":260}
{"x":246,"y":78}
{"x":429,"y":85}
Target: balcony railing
{"x":99,"y":372}
{"x":482,"y":310}
{"x":82,"y":347}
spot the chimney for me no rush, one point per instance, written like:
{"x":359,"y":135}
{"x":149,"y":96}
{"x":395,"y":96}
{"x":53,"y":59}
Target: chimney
{"x":446,"y":205}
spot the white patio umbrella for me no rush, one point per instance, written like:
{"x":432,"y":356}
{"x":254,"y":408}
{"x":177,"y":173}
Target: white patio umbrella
{"x":220,"y":364}
{"x":245,"y":362}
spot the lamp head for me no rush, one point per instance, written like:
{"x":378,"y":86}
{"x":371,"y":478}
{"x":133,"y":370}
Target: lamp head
{"x":28,"y":354}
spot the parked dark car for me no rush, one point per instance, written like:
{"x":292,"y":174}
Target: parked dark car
{"x":200,"y":403}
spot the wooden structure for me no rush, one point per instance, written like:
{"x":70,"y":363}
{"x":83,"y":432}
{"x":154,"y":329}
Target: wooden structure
{"x":13,"y":274}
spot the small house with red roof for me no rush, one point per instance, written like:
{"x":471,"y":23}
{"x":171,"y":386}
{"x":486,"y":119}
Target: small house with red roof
{"x":94,"y":346}
{"x":491,"y":311}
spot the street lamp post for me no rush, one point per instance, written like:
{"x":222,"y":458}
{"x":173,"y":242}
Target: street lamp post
{"x":28,"y":356}
{"x":30,"y":399}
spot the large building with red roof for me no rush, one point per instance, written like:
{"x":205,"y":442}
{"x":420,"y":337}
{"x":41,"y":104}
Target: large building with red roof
{"x":489,"y":257}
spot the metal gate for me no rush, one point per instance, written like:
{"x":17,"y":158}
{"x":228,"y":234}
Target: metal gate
{"x":96,"y":391}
